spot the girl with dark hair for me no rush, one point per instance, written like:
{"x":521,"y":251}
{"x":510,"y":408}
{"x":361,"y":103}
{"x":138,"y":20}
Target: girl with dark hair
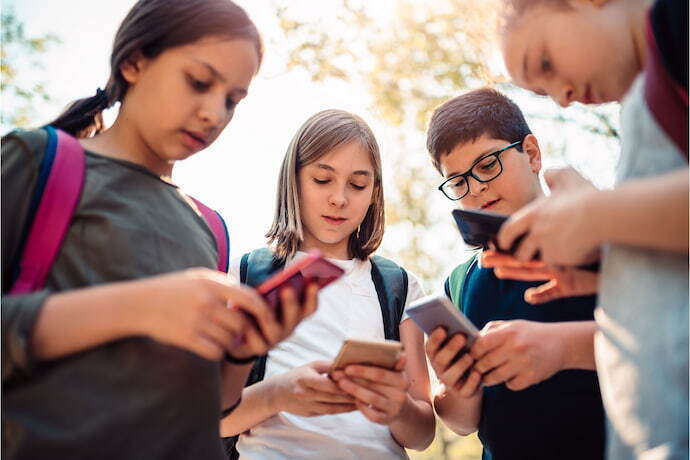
{"x":119,"y":354}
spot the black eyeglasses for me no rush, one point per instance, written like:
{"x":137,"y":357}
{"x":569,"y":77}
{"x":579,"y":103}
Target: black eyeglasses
{"x":485,"y":169}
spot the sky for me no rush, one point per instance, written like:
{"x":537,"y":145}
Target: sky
{"x":237,"y":175}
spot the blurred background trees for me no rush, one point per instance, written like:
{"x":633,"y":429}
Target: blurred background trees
{"x":17,"y":51}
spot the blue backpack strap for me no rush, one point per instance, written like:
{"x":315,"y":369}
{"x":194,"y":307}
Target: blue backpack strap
{"x":255,"y":268}
{"x":390,"y":281}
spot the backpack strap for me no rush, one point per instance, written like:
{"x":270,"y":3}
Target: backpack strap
{"x":390,"y":281}
{"x":220,"y":232}
{"x":57,"y":193}
{"x":255,"y":268}
{"x":456,"y":281}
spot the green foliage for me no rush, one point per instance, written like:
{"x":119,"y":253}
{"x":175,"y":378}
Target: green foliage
{"x":18,"y":97}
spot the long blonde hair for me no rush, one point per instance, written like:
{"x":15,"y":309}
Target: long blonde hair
{"x":319,"y":135}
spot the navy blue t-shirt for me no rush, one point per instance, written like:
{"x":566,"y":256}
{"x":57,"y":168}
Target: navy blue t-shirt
{"x":560,"y":418}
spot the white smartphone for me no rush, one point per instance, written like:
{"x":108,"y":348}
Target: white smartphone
{"x":434,"y":311}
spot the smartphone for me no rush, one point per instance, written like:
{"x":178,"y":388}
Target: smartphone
{"x":312,"y":268}
{"x":479,"y":228}
{"x":434,"y":311}
{"x":382,"y":353}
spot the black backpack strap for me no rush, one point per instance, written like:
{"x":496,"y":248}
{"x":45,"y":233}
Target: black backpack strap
{"x":255,"y":268}
{"x":390,"y":281}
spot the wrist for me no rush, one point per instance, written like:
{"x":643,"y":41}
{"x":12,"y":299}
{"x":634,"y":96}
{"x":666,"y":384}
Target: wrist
{"x":578,"y":345}
{"x":595,"y":206}
{"x":406,"y":411}
{"x":274,"y":394}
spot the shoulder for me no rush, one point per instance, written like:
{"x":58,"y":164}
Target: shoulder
{"x":461,"y":270}
{"x":414,"y":285}
{"x":455,"y":280}
{"x":23,"y":143}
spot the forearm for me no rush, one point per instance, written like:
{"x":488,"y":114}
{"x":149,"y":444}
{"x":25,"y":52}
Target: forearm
{"x":460,"y":414}
{"x":74,"y":321}
{"x":648,"y":213}
{"x":258,"y":404}
{"x":415,"y":427}
{"x":578,"y":344}
{"x":234,"y":378}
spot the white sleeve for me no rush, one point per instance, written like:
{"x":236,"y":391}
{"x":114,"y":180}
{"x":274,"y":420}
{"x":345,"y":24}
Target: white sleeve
{"x":234,"y":269}
{"x":414,"y":292}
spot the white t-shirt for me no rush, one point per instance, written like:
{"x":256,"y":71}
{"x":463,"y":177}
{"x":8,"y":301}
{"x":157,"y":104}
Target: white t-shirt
{"x":348,"y":308}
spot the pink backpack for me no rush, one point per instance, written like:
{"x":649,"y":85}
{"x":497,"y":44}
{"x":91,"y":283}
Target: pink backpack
{"x":57,"y":193}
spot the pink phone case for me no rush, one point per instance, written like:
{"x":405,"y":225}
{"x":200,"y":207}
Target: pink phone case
{"x":312,"y":268}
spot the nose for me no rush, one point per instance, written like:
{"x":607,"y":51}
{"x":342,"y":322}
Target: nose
{"x":213,"y":111}
{"x":565,"y":95}
{"x":476,"y":187}
{"x":337,"y":197}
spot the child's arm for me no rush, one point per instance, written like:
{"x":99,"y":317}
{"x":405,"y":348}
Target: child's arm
{"x":568,"y":227}
{"x":459,"y":402}
{"x":292,"y":313}
{"x":306,"y":390}
{"x":398,"y":398}
{"x":187,"y":309}
{"x":523,"y":353}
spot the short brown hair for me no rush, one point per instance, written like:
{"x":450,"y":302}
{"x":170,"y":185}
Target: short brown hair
{"x":467,"y":117}
{"x":319,"y":135}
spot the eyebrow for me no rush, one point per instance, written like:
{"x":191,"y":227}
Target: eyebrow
{"x":219,"y":76}
{"x":359,"y":172}
{"x":479,"y":157}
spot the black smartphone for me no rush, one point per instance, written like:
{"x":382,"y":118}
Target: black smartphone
{"x":479,"y":228}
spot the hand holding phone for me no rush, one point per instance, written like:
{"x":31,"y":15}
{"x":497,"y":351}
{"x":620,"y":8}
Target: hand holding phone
{"x":479,"y":228}
{"x":383,"y":353}
{"x":312,"y":268}
{"x":380,"y":394}
{"x":434,"y":311}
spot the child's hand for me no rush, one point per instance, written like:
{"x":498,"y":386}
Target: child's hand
{"x":308,"y":391}
{"x":562,"y":282}
{"x":560,"y":228}
{"x":518,"y":353}
{"x":455,"y":374}
{"x":189,"y":309}
{"x":265,"y":331}
{"x":380,"y":394}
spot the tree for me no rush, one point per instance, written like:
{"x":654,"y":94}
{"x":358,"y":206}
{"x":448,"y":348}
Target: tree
{"x":17,"y":49}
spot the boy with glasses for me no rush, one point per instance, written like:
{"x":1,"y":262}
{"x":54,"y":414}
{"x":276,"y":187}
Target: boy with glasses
{"x":528,"y":383}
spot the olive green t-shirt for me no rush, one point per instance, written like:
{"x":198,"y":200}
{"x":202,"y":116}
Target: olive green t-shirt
{"x":128,"y":399}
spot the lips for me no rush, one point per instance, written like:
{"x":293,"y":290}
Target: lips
{"x":489,"y":204}
{"x":195,"y":139}
{"x":334,"y":220}
{"x":588,"y":97}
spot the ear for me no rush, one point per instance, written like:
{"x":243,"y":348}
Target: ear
{"x":530,"y":146}
{"x":131,"y":67}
